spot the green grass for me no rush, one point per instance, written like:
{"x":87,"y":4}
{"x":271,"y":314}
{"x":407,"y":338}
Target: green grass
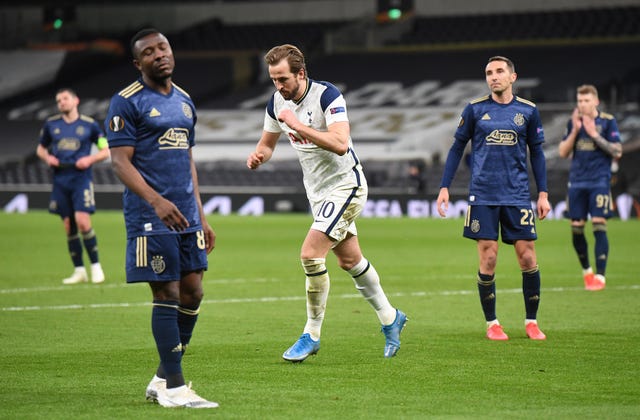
{"x":86,"y":351}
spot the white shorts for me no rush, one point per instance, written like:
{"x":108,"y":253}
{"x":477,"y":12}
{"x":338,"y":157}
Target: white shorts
{"x":336,"y":215}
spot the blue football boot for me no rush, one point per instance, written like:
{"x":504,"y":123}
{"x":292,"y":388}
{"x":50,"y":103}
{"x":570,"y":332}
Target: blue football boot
{"x":392,"y":334}
{"x":301,"y":349}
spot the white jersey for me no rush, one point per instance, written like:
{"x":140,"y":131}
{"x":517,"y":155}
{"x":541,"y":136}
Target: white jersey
{"x":323,"y":171}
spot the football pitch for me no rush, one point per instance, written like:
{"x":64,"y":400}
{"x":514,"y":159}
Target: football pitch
{"x":86,"y":351}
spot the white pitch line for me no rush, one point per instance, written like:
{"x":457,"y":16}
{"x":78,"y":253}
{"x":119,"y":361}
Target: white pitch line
{"x":117,"y":285}
{"x":270,"y":299}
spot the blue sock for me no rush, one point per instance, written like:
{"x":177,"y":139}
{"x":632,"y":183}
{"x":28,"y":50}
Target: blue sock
{"x":601,"y":247}
{"x":580,"y":245}
{"x":187,"y":318}
{"x":164,"y":325}
{"x":487,"y":292}
{"x":91,"y":245}
{"x":531,"y":291}
{"x":75,"y":249}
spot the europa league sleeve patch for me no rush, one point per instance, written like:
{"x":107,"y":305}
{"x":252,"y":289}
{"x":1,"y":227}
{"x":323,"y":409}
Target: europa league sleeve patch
{"x":116,"y":123}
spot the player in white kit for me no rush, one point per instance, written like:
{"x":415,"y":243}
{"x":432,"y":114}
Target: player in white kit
{"x":313,"y":115}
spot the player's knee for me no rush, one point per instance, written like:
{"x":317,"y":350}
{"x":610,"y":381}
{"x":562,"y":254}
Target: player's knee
{"x":313,"y":266}
{"x":347,"y":263}
{"x":577,"y":229}
{"x":599,"y":227}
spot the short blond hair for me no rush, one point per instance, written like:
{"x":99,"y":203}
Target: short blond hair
{"x":587,"y":89}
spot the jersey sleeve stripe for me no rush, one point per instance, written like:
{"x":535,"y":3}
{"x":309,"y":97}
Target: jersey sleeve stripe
{"x":131,"y":89}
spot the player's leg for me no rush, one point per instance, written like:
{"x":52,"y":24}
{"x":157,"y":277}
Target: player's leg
{"x":367,"y":281}
{"x":481,"y":224}
{"x":165,"y":329}
{"x":601,"y":252}
{"x":365,"y":278}
{"x":488,"y":256}
{"x":194,"y":263}
{"x":519,"y":229}
{"x":578,"y":208}
{"x":90,"y":242}
{"x":525,"y":251}
{"x":312,"y":256}
{"x":155,"y":260}
{"x":84,"y":205}
{"x":600,"y":209}
{"x":74,"y":245}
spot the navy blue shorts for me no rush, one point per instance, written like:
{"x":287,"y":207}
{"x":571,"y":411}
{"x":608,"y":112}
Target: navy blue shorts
{"x":165,"y":257}
{"x":584,"y":201}
{"x":68,"y":198}
{"x":515,"y":223}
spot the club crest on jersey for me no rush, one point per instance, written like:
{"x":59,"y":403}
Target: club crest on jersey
{"x":174,"y":138}
{"x":519,"y":119}
{"x":186,"y":110}
{"x":475,"y":226}
{"x":157,"y":264}
{"x":502,"y":138}
{"x":80,"y":130}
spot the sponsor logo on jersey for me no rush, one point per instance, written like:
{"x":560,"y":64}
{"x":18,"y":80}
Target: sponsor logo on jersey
{"x":174,"y":138}
{"x":69,"y":144}
{"x":502,"y":137}
{"x":337,"y":110}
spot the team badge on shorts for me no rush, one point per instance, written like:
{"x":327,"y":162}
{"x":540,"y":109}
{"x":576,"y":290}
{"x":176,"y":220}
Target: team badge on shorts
{"x":475,"y":226}
{"x":157,"y":264}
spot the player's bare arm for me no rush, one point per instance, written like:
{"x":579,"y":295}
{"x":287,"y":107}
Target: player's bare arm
{"x":129,"y":175}
{"x":612,"y":149}
{"x":264,"y":149}
{"x":566,"y":147}
{"x":442,"y":202}
{"x":335,"y":139}
{"x":47,"y":158}
{"x":87,"y":161}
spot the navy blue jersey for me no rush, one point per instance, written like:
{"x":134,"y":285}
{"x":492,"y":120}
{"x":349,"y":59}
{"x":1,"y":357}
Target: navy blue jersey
{"x":500,"y":135}
{"x":161,"y":130}
{"x":69,"y":142}
{"x":590,"y":166}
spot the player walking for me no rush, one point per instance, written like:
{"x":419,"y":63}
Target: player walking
{"x":313,"y":115}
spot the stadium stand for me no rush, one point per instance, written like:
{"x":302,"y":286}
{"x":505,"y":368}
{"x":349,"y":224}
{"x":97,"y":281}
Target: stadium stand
{"x":220,"y":65}
{"x":542,"y":27}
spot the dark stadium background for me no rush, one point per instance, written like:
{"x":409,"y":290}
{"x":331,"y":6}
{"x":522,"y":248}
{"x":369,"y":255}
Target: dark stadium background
{"x":380,"y":63}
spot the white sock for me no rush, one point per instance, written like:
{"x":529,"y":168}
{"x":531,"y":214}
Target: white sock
{"x":367,"y":281}
{"x":317,"y":285}
{"x":492,"y":323}
{"x":528,"y":321}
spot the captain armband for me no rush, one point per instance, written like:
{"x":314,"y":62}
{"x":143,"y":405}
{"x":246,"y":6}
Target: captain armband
{"x":102,"y":143}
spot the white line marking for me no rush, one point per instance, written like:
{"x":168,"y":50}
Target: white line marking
{"x":269,"y":299}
